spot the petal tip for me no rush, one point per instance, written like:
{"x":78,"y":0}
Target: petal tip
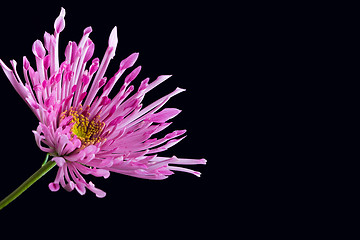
{"x":113,"y":39}
{"x":59,"y":24}
{"x":62,"y":12}
{"x":203,"y":161}
{"x":54,"y":187}
{"x":87,"y":30}
{"x":129,"y":61}
{"x":38,"y":49}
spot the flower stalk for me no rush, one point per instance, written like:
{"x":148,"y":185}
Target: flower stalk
{"x":30,"y":181}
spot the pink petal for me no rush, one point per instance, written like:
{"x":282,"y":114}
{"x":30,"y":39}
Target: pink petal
{"x":47,"y":37}
{"x":158,"y":81}
{"x":38,"y":49}
{"x":164,"y":115}
{"x":144,"y":84}
{"x":26,"y":63}
{"x":98,"y":192}
{"x":54,"y":187}
{"x":132,"y":75}
{"x":94,"y":66}
{"x":82,"y":96}
{"x":80,"y":187}
{"x":59,"y":24}
{"x":70,"y":186}
{"x":113,"y":39}
{"x":87,"y":30}
{"x":129,"y":61}
{"x":102,"y":82}
{"x":68,"y":50}
{"x":59,"y":161}
{"x":188,"y":161}
{"x":90,"y":51}
{"x":181,"y":169}
{"x":47,"y":62}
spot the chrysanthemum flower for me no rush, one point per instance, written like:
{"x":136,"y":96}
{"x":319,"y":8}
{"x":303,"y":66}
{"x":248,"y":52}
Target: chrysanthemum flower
{"x":85,"y":130}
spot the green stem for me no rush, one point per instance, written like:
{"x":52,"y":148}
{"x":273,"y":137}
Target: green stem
{"x":36,"y":176}
{"x":46,"y":159}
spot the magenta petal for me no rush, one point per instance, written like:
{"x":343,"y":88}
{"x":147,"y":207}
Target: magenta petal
{"x":144,"y":84}
{"x":68,"y":50}
{"x":132,"y":75}
{"x":59,"y":24}
{"x":47,"y":62}
{"x":129,"y":61}
{"x":87,"y":30}
{"x":54,"y":187}
{"x":164,"y":115}
{"x":94,"y":66}
{"x":82,"y":96}
{"x":26,"y":63}
{"x":38,"y":49}
{"x":47,"y":37}
{"x":90,"y":51}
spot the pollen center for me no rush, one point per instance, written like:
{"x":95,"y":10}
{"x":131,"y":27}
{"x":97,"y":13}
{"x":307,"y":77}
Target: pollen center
{"x":87,"y":131}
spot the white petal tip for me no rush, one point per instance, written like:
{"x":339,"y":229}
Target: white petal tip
{"x":113,"y":39}
{"x":62,"y":12}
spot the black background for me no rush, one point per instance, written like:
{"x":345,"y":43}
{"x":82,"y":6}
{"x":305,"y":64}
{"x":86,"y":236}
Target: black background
{"x":186,"y":40}
{"x":252,"y":108}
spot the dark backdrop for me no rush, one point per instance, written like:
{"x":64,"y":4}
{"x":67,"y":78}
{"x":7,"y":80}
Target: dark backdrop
{"x":181,"y":39}
{"x":253,"y":114}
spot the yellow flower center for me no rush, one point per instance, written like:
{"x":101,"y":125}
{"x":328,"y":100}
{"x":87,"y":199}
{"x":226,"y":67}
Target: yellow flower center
{"x":88,"y":132}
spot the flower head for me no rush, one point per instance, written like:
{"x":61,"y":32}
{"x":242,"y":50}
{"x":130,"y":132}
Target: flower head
{"x":85,"y":130}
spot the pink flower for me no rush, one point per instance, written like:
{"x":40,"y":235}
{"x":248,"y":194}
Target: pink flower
{"x":85,"y":130}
